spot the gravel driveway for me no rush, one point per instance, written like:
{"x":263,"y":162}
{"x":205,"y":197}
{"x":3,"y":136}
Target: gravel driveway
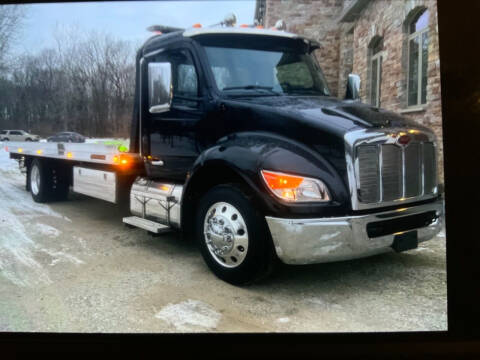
{"x":73,"y":267}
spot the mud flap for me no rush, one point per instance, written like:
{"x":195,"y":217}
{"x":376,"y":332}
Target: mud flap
{"x":405,"y":241}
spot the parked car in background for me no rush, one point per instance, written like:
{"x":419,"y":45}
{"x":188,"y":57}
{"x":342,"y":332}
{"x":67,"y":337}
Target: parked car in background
{"x":17,"y":135}
{"x":67,"y":136}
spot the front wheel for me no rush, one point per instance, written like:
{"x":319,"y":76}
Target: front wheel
{"x":233,"y":236}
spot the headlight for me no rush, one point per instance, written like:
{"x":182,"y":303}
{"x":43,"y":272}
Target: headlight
{"x":295,"y":188}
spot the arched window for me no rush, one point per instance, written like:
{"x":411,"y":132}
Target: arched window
{"x":417,"y":59}
{"x":376,"y":47}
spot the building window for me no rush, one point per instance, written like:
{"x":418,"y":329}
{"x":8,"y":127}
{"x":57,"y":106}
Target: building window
{"x":418,"y":59}
{"x":376,"y":71}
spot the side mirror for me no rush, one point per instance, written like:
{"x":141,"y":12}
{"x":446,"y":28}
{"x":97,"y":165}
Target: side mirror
{"x":160,"y":92}
{"x":353,"y":87}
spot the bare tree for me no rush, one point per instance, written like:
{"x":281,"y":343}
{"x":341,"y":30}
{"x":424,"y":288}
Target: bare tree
{"x":11,"y":17}
{"x":85,"y":84}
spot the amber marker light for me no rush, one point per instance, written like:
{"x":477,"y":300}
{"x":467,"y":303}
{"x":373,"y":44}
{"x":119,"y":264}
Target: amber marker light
{"x":165,"y":188}
{"x":39,"y":151}
{"x":20,"y":150}
{"x":281,"y":181}
{"x":121,"y":159}
{"x":294,"y":188}
{"x":197,"y":25}
{"x":69,"y":155}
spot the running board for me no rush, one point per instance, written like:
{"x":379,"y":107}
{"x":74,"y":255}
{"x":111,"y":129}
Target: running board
{"x":145,"y":224}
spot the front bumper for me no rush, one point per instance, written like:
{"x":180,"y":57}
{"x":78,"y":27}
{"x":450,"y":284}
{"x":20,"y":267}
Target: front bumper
{"x":308,"y":241}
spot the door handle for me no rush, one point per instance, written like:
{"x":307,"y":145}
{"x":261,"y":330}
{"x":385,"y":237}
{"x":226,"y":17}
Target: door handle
{"x":157,"y":162}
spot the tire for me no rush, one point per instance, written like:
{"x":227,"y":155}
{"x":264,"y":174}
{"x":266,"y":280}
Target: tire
{"x":47,"y":183}
{"x":28,"y":139}
{"x":6,"y":139}
{"x":233,"y":236}
{"x":41,"y":182}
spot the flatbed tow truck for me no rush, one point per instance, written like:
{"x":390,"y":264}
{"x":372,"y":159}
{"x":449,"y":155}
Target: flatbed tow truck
{"x":237,"y":142}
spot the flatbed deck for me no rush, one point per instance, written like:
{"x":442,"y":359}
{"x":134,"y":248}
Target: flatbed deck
{"x":80,"y":152}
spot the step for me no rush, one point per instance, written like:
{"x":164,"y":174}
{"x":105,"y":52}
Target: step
{"x":148,"y":225}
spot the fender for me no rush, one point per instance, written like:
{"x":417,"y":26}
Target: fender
{"x":244,"y":154}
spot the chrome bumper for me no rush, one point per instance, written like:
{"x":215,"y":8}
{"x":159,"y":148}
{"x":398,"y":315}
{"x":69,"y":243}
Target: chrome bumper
{"x":308,"y":241}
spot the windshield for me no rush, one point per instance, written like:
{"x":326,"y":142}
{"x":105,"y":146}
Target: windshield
{"x":265,"y":72}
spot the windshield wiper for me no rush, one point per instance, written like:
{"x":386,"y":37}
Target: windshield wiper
{"x":252,"y":87}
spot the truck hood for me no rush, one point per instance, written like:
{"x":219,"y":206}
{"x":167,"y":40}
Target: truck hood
{"x":316,"y":121}
{"x":331,"y":112}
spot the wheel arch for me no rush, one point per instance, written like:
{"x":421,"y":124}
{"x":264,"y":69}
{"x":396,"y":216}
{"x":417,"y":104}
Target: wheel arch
{"x":206,"y":176}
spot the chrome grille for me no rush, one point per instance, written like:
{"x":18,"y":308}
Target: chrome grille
{"x":369,"y":180}
{"x":391,"y":157}
{"x":389,"y":172}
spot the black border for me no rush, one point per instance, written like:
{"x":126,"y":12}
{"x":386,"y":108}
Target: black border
{"x":460,"y":86}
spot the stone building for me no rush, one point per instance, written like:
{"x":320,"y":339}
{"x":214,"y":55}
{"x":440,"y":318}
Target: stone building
{"x":392,"y":45}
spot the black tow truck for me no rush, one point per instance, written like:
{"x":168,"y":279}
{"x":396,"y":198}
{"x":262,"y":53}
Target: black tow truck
{"x":237,"y":142}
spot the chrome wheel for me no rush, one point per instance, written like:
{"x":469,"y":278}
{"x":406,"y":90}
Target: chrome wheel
{"x":225,"y":234}
{"x":35,"y":180}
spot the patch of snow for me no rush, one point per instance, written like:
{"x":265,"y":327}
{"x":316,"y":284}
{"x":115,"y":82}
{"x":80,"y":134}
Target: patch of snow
{"x":17,"y":248}
{"x":441,"y":234}
{"x":47,"y":230}
{"x":420,"y":248}
{"x":283,"y":320}
{"x":190,"y":315}
{"x":59,"y":255}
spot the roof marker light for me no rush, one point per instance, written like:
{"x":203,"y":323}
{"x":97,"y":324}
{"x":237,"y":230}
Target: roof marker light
{"x":281,"y":25}
{"x":244,"y":26}
{"x":197,"y":25}
{"x":260,"y":27}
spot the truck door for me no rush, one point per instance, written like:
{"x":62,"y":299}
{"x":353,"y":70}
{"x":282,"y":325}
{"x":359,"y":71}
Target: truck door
{"x":170,"y":137}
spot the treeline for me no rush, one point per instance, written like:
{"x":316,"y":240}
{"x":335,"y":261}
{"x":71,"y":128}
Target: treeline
{"x":84,"y":84}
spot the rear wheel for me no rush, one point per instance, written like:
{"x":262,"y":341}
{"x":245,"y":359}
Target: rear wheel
{"x":48,"y":183}
{"x":28,"y":139}
{"x":233,"y":236}
{"x":40,"y":181}
{"x":6,"y":139}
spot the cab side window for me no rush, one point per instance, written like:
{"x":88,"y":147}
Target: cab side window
{"x":184,"y":77}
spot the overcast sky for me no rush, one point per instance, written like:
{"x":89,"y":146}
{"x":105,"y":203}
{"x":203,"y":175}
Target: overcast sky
{"x":125,"y":19}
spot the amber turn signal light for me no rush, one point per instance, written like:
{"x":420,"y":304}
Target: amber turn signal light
{"x":281,"y":181}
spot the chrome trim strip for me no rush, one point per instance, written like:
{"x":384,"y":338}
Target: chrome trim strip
{"x":422,"y":156}
{"x":404,"y":174}
{"x":380,"y":170}
{"x":140,"y":107}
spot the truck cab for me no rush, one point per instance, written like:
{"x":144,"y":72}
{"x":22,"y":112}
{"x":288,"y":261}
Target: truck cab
{"x":244,"y":149}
